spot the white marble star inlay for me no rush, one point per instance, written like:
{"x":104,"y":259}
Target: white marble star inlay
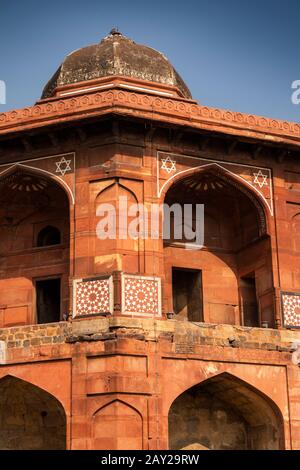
{"x":168,"y":164}
{"x":260,"y":178}
{"x":63,"y":166}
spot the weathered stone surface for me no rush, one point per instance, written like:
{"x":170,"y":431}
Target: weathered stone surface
{"x":115,"y":55}
{"x":184,"y":335}
{"x":128,"y":381}
{"x":30,"y":418}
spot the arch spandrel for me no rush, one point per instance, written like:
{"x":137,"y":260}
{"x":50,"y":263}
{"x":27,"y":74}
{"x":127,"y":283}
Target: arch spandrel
{"x":257,"y":181}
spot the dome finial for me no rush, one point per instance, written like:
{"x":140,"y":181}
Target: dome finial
{"x":115,"y":32}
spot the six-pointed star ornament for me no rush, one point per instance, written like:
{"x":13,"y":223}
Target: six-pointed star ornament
{"x":260,"y":179}
{"x":168,"y":164}
{"x":63,"y":166}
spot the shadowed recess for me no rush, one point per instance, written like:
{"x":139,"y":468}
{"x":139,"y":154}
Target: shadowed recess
{"x":225,"y":413}
{"x":30,"y":418}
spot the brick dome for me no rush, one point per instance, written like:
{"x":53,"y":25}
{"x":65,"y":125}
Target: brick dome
{"x":116,"y":55}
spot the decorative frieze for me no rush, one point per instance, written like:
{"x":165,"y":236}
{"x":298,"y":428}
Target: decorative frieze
{"x":140,"y":296}
{"x":45,"y":111}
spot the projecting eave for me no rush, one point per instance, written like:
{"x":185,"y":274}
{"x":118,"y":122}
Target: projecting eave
{"x":174,"y":111}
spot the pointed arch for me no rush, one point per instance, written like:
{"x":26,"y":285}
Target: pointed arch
{"x":39,"y":172}
{"x":31,"y":199}
{"x":114,"y":211}
{"x":117,"y":184}
{"x":230,"y":178}
{"x":238,"y":243}
{"x":119,"y":401}
{"x":225,"y":412}
{"x":296,"y":217}
{"x":117,"y":425}
{"x":48,"y":236}
{"x":31,"y":418}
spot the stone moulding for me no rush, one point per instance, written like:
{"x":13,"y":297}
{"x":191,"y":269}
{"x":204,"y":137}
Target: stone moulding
{"x":175,"y":110}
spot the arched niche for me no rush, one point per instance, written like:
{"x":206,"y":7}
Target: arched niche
{"x":30,"y":418}
{"x":117,"y":200}
{"x":225,"y":413}
{"x":117,"y":426}
{"x":48,"y":236}
{"x":232,"y":271}
{"x":30,"y":201}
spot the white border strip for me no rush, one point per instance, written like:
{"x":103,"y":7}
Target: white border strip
{"x":114,"y":85}
{"x":149,"y":90}
{"x":82,"y":90}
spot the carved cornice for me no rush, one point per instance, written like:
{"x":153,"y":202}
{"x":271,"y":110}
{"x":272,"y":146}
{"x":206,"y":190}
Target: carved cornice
{"x":172,"y":110}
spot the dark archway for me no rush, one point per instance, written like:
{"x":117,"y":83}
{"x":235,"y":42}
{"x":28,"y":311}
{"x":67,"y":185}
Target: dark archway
{"x":225,"y":413}
{"x":30,"y":418}
{"x":48,"y":236}
{"x":229,"y":279}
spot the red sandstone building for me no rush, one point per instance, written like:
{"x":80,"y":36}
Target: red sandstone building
{"x":143,"y":343}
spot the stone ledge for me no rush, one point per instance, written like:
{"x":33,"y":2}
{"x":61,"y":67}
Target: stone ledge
{"x":35,"y":335}
{"x":145,"y":105}
{"x":185,"y":336}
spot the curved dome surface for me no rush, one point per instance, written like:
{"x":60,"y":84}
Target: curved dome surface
{"x":116,"y":55}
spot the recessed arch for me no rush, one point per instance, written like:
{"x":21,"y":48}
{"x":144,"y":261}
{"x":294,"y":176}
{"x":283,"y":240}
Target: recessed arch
{"x":231,"y":178}
{"x":224,"y":412}
{"x":235,"y":232}
{"x":41,"y":172}
{"x":112,"y":208}
{"x":30,"y":417}
{"x":48,"y":236}
{"x":117,"y":425}
{"x":30,"y":200}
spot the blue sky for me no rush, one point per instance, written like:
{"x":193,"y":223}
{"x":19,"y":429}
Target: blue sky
{"x":233,"y":54}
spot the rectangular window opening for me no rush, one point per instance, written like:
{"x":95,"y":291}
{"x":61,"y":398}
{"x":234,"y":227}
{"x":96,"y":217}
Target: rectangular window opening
{"x":48,"y":300}
{"x":249,"y":301}
{"x":187,"y":294}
